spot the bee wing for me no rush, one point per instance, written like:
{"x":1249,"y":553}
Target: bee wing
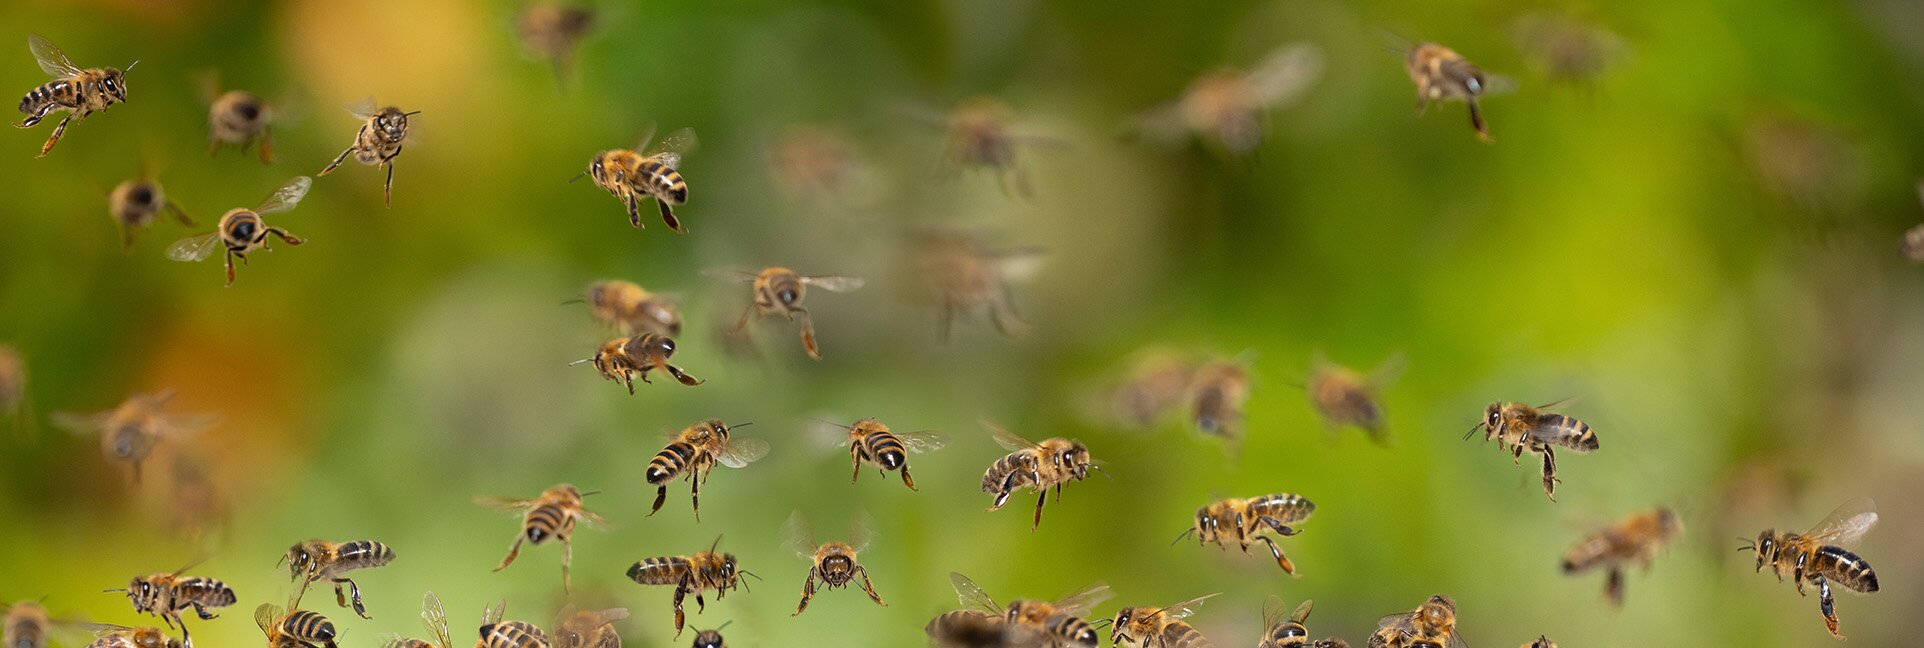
{"x":672,"y":147}
{"x":1085,"y":599}
{"x":1302,"y":611}
{"x":734,"y":274}
{"x":591,"y":518}
{"x":1285,"y":74}
{"x":861,"y":533}
{"x":585,"y":621}
{"x":1184,"y":609}
{"x":740,"y":452}
{"x":647,"y":135}
{"x":1497,"y":84}
{"x":363,"y":109}
{"x":800,"y":539}
{"x":1018,"y":264}
{"x":1400,"y":621}
{"x":52,"y":60}
{"x":1847,"y":524}
{"x":493,"y":613}
{"x":1273,"y":610}
{"x":435,"y":618}
{"x":185,"y":426}
{"x":971,"y":595}
{"x":287,"y":196}
{"x":835,"y":284}
{"x":920,"y":442}
{"x":1008,"y":440}
{"x":193,"y":248}
{"x":506,"y":505}
{"x":265,"y":615}
{"x":81,"y":424}
{"x":829,"y":433}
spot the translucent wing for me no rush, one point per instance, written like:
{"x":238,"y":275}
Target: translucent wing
{"x":583,"y":622}
{"x":1400,"y":621}
{"x":647,"y":135}
{"x":515,"y":506}
{"x":861,"y":533}
{"x":82,"y":424}
{"x":1286,"y":74}
{"x":435,"y":619}
{"x":1846,"y":525}
{"x":1497,"y":84}
{"x":266,"y":615}
{"x":52,"y":61}
{"x":493,"y":613}
{"x":1302,"y":611}
{"x":672,"y":147}
{"x":1186,"y":608}
{"x":1018,"y":264}
{"x":835,"y":284}
{"x":800,"y":539}
{"x":972,"y":595}
{"x":1083,"y":600}
{"x":193,"y":248}
{"x":1008,"y":440}
{"x":97,"y":628}
{"x":919,"y":442}
{"x":1273,"y":610}
{"x":736,"y":274}
{"x":740,"y":452}
{"x":363,"y":109}
{"x":829,"y":433}
{"x":286,"y":197}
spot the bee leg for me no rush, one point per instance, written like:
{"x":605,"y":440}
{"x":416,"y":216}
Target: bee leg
{"x":661,"y":495}
{"x":1001,"y":497}
{"x":266,"y":147}
{"x":1058,"y":493}
{"x":808,"y":334}
{"x":35,"y":118}
{"x":946,"y":321}
{"x":287,"y":238}
{"x":337,"y":162}
{"x":58,"y":130}
{"x":230,"y":267}
{"x":855,"y":456}
{"x":1613,"y":587}
{"x":1476,"y":120}
{"x":684,"y":378}
{"x":387,"y":188}
{"x":1825,"y":604}
{"x":513,"y":551}
{"x":1042,"y":495}
{"x":1277,"y":551}
{"x":1006,"y":320}
{"x":668,"y":216}
{"x":808,"y":592}
{"x":213,"y":145}
{"x":906,"y":479}
{"x":179,"y":214}
{"x":694,"y":497}
{"x":681,"y":591}
{"x":354,"y":589}
{"x":1281,"y":529}
{"x":202,"y":613}
{"x":868,"y":586}
{"x":702,"y":606}
{"x":1550,"y":474}
{"x":567,"y":557}
{"x":1797,"y":574}
{"x":127,"y":237}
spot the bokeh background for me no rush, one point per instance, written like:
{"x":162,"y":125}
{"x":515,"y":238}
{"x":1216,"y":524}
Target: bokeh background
{"x":1700,"y":243}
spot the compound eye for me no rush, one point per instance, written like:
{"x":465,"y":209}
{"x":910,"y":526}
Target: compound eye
{"x":668,"y":345}
{"x":787,"y":296}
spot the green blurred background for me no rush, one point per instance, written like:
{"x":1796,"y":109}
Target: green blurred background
{"x":1699,"y":244}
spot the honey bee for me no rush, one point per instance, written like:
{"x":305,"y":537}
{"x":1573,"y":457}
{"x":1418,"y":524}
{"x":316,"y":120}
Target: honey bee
{"x":712,"y":638}
{"x":1822,"y":556}
{"x":626,"y":307}
{"x":553,"y":31}
{"x":982,"y":133}
{"x":1229,"y":107}
{"x":435,"y":619}
{"x":1156,"y":385}
{"x":120,"y":636}
{"x":241,"y":231}
{"x":813,"y":161}
{"x":1142,"y":626}
{"x":496,"y":633}
{"x":294,"y":627}
{"x":1039,"y":466}
{"x":1634,"y":538}
{"x":136,"y":203}
{"x":1220,"y":391}
{"x":1346,"y":397}
{"x":1441,"y":75}
{"x":970,"y":629}
{"x":833,"y":563}
{"x":779,"y":291}
{"x":383,"y":133}
{"x":1565,"y":49}
{"x":314,"y":560}
{"x":588,"y":628}
{"x":130,"y":432}
{"x":1431,"y":625}
{"x":965,"y":276}
{"x":693,"y":453}
{"x":870,"y":441}
{"x":1248,"y":519}
{"x":13,"y":387}
{"x":1542,"y":641}
{"x":552,"y":515}
{"x":1281,"y":631}
{"x":165,"y":595}
{"x":624,"y":359}
{"x":631,"y":177}
{"x":240,"y":119}
{"x":26,"y":625}
{"x":1058,"y":623}
{"x":83,"y":92}
{"x":1518,"y":428}
{"x":692,"y":574}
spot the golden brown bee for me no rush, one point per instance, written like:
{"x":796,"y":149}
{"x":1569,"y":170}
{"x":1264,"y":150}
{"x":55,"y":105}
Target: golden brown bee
{"x":553,"y":31}
{"x":1229,"y":107}
{"x":1542,"y":641}
{"x":1519,"y":428}
{"x":624,"y":359}
{"x":1057,"y":623}
{"x":1220,"y":391}
{"x":240,"y":119}
{"x":815,"y":162}
{"x":779,"y":291}
{"x":435,"y":619}
{"x":869,"y":441}
{"x":1346,"y":397}
{"x":165,"y":595}
{"x":130,"y":432}
{"x":1039,"y":466}
{"x":630,"y":176}
{"x":1565,"y":49}
{"x":965,"y":276}
{"x":315,"y":560}
{"x":241,"y":231}
{"x":496,"y":633}
{"x":711,"y":638}
{"x":382,"y":135}
{"x":1163,"y":626}
{"x":969,"y":629}
{"x":83,"y":92}
{"x":1441,"y":74}
{"x":1280,"y":631}
{"x":293,"y":627}
{"x":136,"y":203}
{"x":691,"y":574}
{"x":1156,"y":385}
{"x":1431,"y":625}
{"x":1635,"y":538}
{"x":693,"y":453}
{"x":550,"y":516}
{"x":1822,"y":556}
{"x":1246,"y":520}
{"x":13,"y":387}
{"x":588,"y":628}
{"x":833,"y":563}
{"x":982,"y":133}
{"x":119,"y":636}
{"x":626,"y":307}
{"x":26,"y":625}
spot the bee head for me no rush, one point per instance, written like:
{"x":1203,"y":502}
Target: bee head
{"x":1116,"y":634}
{"x":1765,"y":546}
{"x":393,"y":123}
{"x":298,"y":559}
{"x":143,"y":194}
{"x":708,"y":639}
{"x":116,"y":83}
{"x":598,"y":170}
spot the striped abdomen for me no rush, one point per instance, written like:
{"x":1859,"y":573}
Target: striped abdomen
{"x":547,"y":521}
{"x":400,"y":642}
{"x":114,"y":640}
{"x":26,"y":631}
{"x":885,"y":449}
{"x":966,"y":628}
{"x":59,"y":92}
{"x":512,"y":634}
{"x":1560,"y":430}
{"x":1285,"y":635}
{"x":1281,"y":508}
{"x":205,"y":591}
{"x":670,"y":462}
{"x":1843,"y":568}
{"x":666,"y":570}
{"x":661,"y":181}
{"x":1071,"y":630}
{"x":362,"y":554}
{"x":1180,"y":635}
{"x":1010,"y":472}
{"x":307,"y":626}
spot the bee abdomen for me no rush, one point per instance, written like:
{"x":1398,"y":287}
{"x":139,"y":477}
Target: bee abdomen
{"x":669,"y":462}
{"x":407,"y":643}
{"x":1004,"y":475}
{"x":206,"y":591}
{"x":545,"y":521}
{"x":1571,"y":433}
{"x":885,"y":448}
{"x":1846,"y":569}
{"x":365,"y":553}
{"x":1284,"y":508}
{"x":306,"y":625}
{"x":514,"y":634}
{"x":658,"y":571}
{"x":1070,"y":630}
{"x":1181,"y":635}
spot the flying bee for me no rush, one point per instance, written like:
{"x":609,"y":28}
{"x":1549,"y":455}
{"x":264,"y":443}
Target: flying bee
{"x":983,"y":133}
{"x":1431,"y":625}
{"x":82,"y":92}
{"x":129,"y":433}
{"x":1634,"y":538}
{"x":588,"y":628}
{"x":1155,"y":385}
{"x":969,"y":629}
{"x":26,"y":625}
{"x":240,"y":119}
{"x":553,"y":31}
{"x":965,"y":276}
{"x":1247,"y":519}
{"x":1822,"y":556}
{"x":165,"y":595}
{"x":496,"y":633}
{"x":1230,"y":107}
{"x":1565,"y":49}
{"x":1217,"y":397}
{"x":315,"y":560}
{"x":814,"y":162}
{"x":1441,"y":75}
{"x":1519,"y":428}
{"x":712,"y":638}
{"x":13,"y":387}
{"x":1281,"y":631}
{"x":1542,"y":641}
{"x":779,"y":291}
{"x":869,"y":441}
{"x":1057,"y":623}
{"x":624,"y":359}
{"x":435,"y":619}
{"x":626,"y":307}
{"x":1039,"y":466}
{"x":241,"y":231}
{"x":383,"y":133}
{"x":294,"y":627}
{"x":693,"y":453}
{"x":631,"y":177}
{"x":120,"y":636}
{"x":833,"y":563}
{"x":1347,"y":397}
{"x":552,"y":515}
{"x":1162,"y":627}
{"x":691,"y":574}
{"x":136,"y":203}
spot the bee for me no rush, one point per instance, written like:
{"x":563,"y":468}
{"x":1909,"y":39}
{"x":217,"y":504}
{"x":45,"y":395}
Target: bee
{"x":294,"y":627}
{"x":130,"y":432}
{"x":241,"y":231}
{"x":965,"y":276}
{"x":588,"y":628}
{"x":1057,"y":623}
{"x":1822,"y":556}
{"x":1542,"y":641}
{"x":870,"y":441}
{"x":1347,"y":397}
{"x":1441,"y":74}
{"x":1913,"y":247}
{"x":435,"y":619}
{"x":314,"y":560}
{"x":136,"y":203}
{"x":165,"y":595}
{"x":626,"y":307}
{"x":120,"y":636}
{"x":1281,"y":631}
{"x":1518,"y":428}
{"x":1039,"y":466}
{"x":13,"y":387}
{"x":631,"y":177}
{"x":496,"y":633}
{"x":1431,"y":625}
{"x":780,"y":291}
{"x":83,"y":92}
{"x":1156,"y":385}
{"x":26,"y":625}
{"x":623,"y":359}
{"x":1229,"y":107}
{"x":196,"y":503}
{"x":553,"y":31}
{"x":712,"y":638}
{"x":692,"y":574}
{"x":693,"y":453}
{"x":552,"y":515}
{"x":1142,"y":626}
{"x":833,"y":563}
{"x":1634,"y":538}
{"x":982,"y":133}
{"x":383,"y":133}
{"x":1217,"y":397}
{"x":238,"y":118}
{"x":970,"y":629}
{"x":814,"y":162}
{"x":1248,"y":519}
{"x":1565,"y":49}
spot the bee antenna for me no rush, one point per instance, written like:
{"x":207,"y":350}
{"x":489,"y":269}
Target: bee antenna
{"x":750,"y":574}
{"x":117,"y":589}
{"x":581,"y":361}
{"x":1185,"y":534}
{"x":741,"y":425}
{"x":1099,"y":469}
{"x":593,"y":492}
{"x":578,"y":176}
{"x":130,"y":66}
{"x":410,"y":114}
{"x":1467,"y":435}
{"x":1102,"y":623}
{"x":724,"y":625}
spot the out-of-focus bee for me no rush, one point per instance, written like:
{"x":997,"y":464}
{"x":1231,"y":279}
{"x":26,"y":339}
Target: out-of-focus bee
{"x":383,"y":132}
{"x":712,"y":638}
{"x":779,"y":291}
{"x":814,"y":162}
{"x":1280,"y":631}
{"x":1822,"y":556}
{"x":1431,"y":625}
{"x":435,"y":619}
{"x":1246,"y":519}
{"x":1634,"y":538}
{"x":26,"y":625}
{"x":241,"y":231}
{"x":1542,"y":641}
{"x":1039,"y":466}
{"x":1565,"y":49}
{"x":630,"y":176}
{"x":552,"y":515}
{"x":982,"y":133}
{"x":965,"y":276}
{"x":13,"y":388}
{"x":1155,"y":386}
{"x":236,"y":118}
{"x":196,"y":504}
{"x":294,"y":627}
{"x":315,"y":560}
{"x":1345,"y":396}
{"x":624,"y":359}
{"x":1914,"y":237}
{"x":130,"y":432}
{"x":1164,"y":626}
{"x":691,"y":574}
{"x":496,"y":633}
{"x":833,"y":563}
{"x":628,"y":308}
{"x":83,"y":92}
{"x":1519,"y":428}
{"x":693,"y":453}
{"x":970,"y":629}
{"x":1441,"y":74}
{"x":553,"y":31}
{"x":1220,"y":391}
{"x":1229,"y":107}
{"x":165,"y":595}
{"x":1058,"y":623}
{"x":137,"y":202}
{"x":120,"y":636}
{"x":588,"y":628}
{"x":869,"y":441}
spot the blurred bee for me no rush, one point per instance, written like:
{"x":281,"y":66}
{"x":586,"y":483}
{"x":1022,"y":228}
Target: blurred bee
{"x":833,"y":563}
{"x":435,"y":619}
{"x":136,"y":203}
{"x":13,"y":387}
{"x":712,"y":638}
{"x":383,"y":133}
{"x":1565,"y":49}
{"x":624,"y":359}
{"x":970,"y":629}
{"x":1822,"y":556}
{"x":165,"y":595}
{"x":314,"y":560}
{"x":693,"y":453}
{"x":691,"y":574}
{"x":26,"y":625}
{"x":554,"y":31}
{"x":1229,"y":107}
{"x":1346,"y":397}
{"x":1519,"y":428}
{"x":120,"y":636}
{"x":130,"y":432}
{"x":196,"y":504}
{"x":552,"y":515}
{"x":1056,"y":623}
{"x":1441,"y":74}
{"x":496,"y":633}
{"x":83,"y":92}
{"x":1281,"y":631}
{"x":869,"y":441}
{"x":1634,"y":538}
{"x":588,"y":628}
{"x":241,"y":231}
{"x":626,"y":307}
{"x":1141,"y":626}
{"x":1220,"y":391}
{"x":813,"y":161}
{"x":1431,"y":625}
{"x":982,"y":133}
{"x":1914,"y":237}
{"x":1248,"y":518}
{"x":1156,"y":385}
{"x":240,"y":118}
{"x":1039,"y":466}
{"x":293,"y":627}
{"x":1542,"y":641}
{"x":964,"y":276}
{"x":779,"y":291}
{"x":631,"y":177}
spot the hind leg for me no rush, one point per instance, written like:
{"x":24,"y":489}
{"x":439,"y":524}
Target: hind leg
{"x":1042,"y":495}
{"x":668,"y":216}
{"x":694,"y":497}
{"x":1550,"y":474}
{"x":1277,"y":551}
{"x":359,"y":609}
{"x":906,"y":479}
{"x":337,"y":162}
{"x":661,"y":495}
{"x":387,"y":188}
{"x":514,"y":550}
{"x":35,"y":118}
{"x":58,"y":130}
{"x":1825,"y":604}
